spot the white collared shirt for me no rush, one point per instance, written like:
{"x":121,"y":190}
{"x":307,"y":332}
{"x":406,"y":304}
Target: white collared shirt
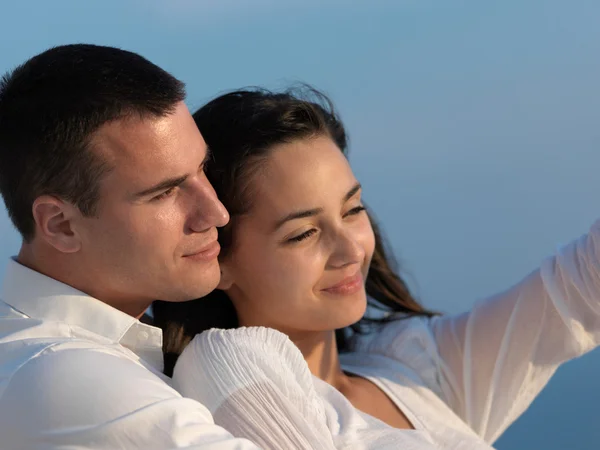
{"x":76,"y":373}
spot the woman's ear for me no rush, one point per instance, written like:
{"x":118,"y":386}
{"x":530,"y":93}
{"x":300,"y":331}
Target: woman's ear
{"x":226,"y":276}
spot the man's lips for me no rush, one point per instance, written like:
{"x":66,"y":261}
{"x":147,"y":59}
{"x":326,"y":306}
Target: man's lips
{"x":206,"y":253}
{"x":347,"y":286}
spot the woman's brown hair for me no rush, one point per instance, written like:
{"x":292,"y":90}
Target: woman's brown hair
{"x":240,"y":129}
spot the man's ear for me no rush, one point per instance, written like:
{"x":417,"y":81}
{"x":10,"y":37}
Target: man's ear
{"x":226,"y":276}
{"x":54,"y":220}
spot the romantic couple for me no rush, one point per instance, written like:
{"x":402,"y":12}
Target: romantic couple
{"x":279,"y":320}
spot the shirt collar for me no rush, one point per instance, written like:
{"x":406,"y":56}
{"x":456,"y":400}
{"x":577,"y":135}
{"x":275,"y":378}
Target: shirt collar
{"x":45,"y":298}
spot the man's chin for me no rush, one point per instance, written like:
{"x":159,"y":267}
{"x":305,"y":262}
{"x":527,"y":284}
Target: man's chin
{"x":195,"y":287}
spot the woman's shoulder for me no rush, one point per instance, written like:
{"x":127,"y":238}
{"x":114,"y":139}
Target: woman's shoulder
{"x":398,"y":330}
{"x":408,"y":340}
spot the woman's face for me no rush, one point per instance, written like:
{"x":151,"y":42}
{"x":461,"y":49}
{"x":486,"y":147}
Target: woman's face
{"x":300,"y":256}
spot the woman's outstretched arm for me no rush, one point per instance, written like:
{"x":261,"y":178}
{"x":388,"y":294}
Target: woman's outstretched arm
{"x":490,"y":363}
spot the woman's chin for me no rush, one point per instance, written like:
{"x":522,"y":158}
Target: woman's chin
{"x":351,"y":313}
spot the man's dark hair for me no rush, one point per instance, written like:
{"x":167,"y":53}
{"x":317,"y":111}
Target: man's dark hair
{"x":50,"y":108}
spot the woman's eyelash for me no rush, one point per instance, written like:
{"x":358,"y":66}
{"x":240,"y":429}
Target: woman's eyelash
{"x":303,"y":236}
{"x":312,"y":231}
{"x":356,"y":210}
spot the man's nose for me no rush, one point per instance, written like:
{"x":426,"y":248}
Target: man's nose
{"x":207,"y":209}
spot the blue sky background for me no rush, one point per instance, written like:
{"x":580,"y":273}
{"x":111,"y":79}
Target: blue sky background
{"x":474,"y":128}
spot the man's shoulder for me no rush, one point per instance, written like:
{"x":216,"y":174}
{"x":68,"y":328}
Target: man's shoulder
{"x":89,"y":380}
{"x":55,"y":359}
{"x":24,"y":340}
{"x":16,"y":326}
{"x":61,"y":391}
{"x":38,"y":356}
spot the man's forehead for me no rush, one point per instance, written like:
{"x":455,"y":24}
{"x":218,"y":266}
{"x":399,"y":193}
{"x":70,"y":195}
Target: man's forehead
{"x":148,"y":150}
{"x":149,"y":140}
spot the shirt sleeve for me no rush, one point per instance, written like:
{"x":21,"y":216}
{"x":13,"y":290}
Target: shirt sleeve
{"x":490,"y":363}
{"x":83,"y":396}
{"x":256,"y":384}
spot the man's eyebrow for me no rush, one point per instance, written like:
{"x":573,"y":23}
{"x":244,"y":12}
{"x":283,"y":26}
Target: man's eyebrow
{"x":171,"y":182}
{"x":315,"y":211}
{"x":161,"y":186}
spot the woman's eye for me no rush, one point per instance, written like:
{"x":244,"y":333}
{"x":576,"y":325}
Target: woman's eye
{"x":303,"y":236}
{"x":355,"y":211}
{"x":165,"y":194}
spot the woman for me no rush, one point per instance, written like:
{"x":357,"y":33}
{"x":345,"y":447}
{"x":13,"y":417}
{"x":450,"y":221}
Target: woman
{"x":301,"y":256}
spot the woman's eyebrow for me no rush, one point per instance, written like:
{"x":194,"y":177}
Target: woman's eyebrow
{"x":298,"y":215}
{"x":352,"y":192}
{"x":314,"y":211}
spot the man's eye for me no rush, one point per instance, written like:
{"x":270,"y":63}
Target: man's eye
{"x":165,"y":194}
{"x":303,"y":236}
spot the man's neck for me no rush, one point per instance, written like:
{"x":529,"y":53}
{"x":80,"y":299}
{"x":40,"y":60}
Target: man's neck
{"x":58,"y":269}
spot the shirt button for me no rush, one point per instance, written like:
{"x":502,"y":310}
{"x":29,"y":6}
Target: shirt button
{"x":144,"y":336}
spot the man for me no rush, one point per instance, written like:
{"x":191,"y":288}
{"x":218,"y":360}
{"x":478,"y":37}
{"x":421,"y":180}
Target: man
{"x":101,"y":171}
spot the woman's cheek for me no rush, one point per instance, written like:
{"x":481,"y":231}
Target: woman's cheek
{"x":366,"y":237}
{"x":300,"y":272}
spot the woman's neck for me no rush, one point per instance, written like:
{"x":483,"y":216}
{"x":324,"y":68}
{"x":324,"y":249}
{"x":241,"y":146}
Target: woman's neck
{"x":321,"y":354}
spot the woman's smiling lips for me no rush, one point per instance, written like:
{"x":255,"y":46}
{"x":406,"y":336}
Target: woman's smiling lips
{"x":348,"y":286}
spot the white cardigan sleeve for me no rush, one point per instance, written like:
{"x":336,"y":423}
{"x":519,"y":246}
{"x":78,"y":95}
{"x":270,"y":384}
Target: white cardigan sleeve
{"x":257,"y":385}
{"x":490,"y":363}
